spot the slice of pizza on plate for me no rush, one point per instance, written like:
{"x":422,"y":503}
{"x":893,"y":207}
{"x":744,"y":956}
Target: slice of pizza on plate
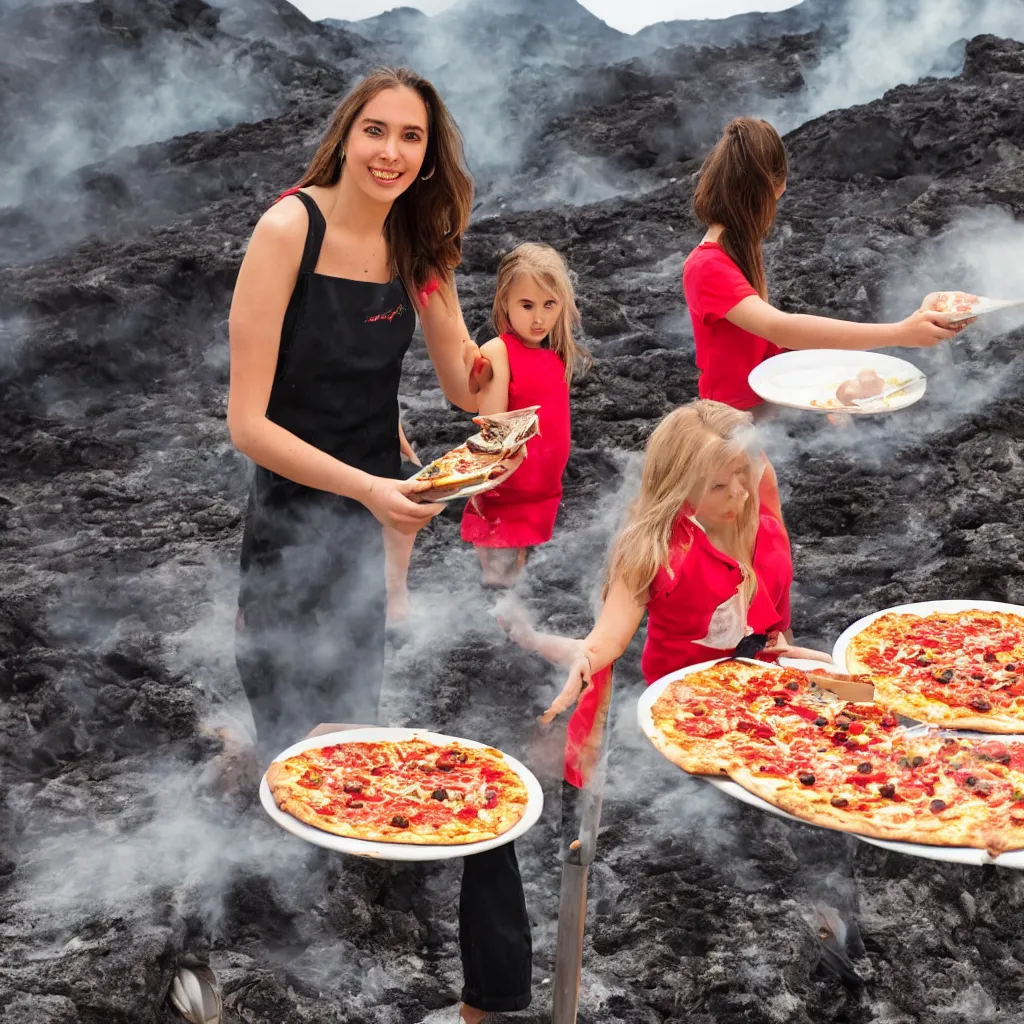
{"x":455,"y":472}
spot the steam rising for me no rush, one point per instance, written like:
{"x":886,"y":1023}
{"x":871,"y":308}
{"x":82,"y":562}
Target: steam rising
{"x":125,"y":99}
{"x":891,"y":42}
{"x":122,"y":583}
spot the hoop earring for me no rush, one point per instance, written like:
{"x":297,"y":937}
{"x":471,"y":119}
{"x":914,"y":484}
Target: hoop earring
{"x":427,"y":177}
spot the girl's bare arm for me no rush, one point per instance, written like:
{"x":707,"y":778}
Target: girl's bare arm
{"x":494,"y":394}
{"x":616,"y":626}
{"x":921,"y":329}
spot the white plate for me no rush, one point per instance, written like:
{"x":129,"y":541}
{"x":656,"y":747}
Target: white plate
{"x":918,"y":608}
{"x":795,"y":378}
{"x":983,"y":306}
{"x":952,"y":854}
{"x":468,"y":492}
{"x":399,"y":851}
{"x":807,"y":664}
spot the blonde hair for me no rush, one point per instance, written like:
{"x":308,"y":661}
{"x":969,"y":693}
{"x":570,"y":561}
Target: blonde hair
{"x":688,"y":447}
{"x":547,"y":266}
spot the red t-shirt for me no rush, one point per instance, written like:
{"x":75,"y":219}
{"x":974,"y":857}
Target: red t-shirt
{"x":696,"y":613}
{"x":712,"y":285}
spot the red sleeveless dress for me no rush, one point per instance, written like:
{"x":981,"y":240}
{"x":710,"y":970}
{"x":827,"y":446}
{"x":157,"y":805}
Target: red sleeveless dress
{"x":521,"y":513}
{"x":695,"y":614}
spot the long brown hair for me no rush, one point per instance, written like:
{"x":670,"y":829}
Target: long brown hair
{"x":547,"y":266}
{"x":736,"y":189}
{"x":424,"y":227}
{"x":688,"y":447}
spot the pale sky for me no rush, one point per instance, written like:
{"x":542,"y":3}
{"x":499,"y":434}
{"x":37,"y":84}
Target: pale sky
{"x":626,"y":17}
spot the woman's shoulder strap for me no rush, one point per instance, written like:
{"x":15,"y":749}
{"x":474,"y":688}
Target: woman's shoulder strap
{"x":315,"y":232}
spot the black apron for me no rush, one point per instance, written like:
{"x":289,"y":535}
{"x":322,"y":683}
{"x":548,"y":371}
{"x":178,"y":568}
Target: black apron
{"x":310,"y":643}
{"x":312,"y":604}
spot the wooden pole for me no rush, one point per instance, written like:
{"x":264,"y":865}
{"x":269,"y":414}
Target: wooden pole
{"x":578,"y":855}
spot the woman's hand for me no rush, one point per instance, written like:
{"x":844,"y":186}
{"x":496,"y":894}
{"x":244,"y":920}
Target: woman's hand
{"x":924,"y":328}
{"x":391,"y":505}
{"x":931,"y":301}
{"x":575,"y":683}
{"x":478,"y":366}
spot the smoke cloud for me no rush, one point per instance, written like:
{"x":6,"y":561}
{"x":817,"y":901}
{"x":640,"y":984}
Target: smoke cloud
{"x":124,"y":99}
{"x":892,"y":42}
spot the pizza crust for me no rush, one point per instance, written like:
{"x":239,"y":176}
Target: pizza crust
{"x":996,"y":724}
{"x":694,"y":758}
{"x":914,"y":823}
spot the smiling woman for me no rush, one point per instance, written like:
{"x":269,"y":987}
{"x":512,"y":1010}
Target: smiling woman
{"x":320,"y":322}
{"x":323,"y":313}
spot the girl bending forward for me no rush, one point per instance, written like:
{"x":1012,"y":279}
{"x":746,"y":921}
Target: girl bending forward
{"x":697,"y":553}
{"x":533,"y":361}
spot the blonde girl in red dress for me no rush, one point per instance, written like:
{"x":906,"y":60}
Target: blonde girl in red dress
{"x":699,"y":554}
{"x":533,"y":360}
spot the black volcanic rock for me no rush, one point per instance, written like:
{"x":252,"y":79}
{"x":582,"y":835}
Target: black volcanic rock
{"x":120,"y":515}
{"x":658,"y":110}
{"x":894,"y":139}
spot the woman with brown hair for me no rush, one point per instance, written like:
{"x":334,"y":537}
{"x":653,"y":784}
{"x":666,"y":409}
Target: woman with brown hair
{"x":734,"y":326}
{"x":323,"y":313}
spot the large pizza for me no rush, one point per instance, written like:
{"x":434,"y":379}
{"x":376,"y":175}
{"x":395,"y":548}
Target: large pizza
{"x":961,"y":669}
{"x":401,"y":791}
{"x":847,"y":766}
